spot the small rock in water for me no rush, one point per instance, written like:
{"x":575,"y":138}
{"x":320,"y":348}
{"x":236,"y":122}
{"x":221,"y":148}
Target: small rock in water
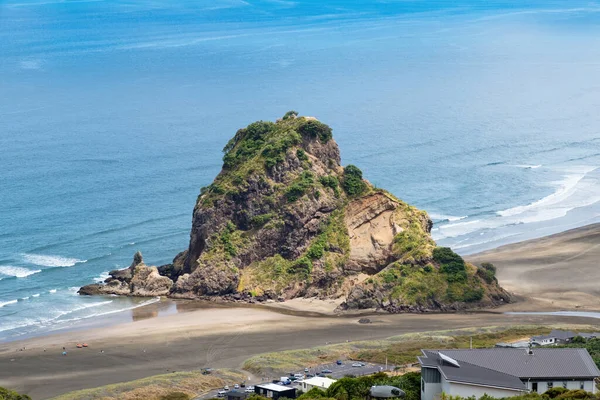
{"x":364,"y":321}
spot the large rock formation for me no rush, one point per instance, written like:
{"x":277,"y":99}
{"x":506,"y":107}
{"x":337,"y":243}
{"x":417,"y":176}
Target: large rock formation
{"x":284,"y":219}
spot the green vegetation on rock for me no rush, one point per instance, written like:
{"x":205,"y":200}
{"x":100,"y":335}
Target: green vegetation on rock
{"x":6,"y":394}
{"x":353,"y":183}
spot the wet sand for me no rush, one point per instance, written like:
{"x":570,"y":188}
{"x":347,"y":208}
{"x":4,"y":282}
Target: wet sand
{"x":215,"y":337}
{"x":558,"y":272}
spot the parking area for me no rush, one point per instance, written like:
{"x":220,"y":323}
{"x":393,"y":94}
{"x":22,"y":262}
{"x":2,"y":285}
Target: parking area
{"x":331,"y":369}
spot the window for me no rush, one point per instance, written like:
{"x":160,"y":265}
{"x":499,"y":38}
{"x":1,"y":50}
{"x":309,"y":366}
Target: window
{"x":565,"y":384}
{"x":534,"y":386}
{"x":581,"y":385}
{"x":422,"y":385}
{"x":550,"y":385}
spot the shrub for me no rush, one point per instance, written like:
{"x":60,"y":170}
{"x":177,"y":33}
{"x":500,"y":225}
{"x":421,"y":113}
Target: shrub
{"x":473,"y":294}
{"x":259,"y":220}
{"x":290,"y":114}
{"x":6,"y":394}
{"x":176,"y":396}
{"x":450,"y":263}
{"x":314,"y":393}
{"x":299,"y":187}
{"x":246,"y":143}
{"x":301,"y":154}
{"x":225,"y":238}
{"x":353,"y":183}
{"x":316,"y":251}
{"x":552,"y":393}
{"x":302,"y":266}
{"x":316,"y":129}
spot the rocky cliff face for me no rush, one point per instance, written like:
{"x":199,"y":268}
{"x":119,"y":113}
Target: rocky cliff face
{"x":284,"y":219}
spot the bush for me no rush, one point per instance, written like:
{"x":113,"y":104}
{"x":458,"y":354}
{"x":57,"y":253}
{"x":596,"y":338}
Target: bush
{"x":316,"y":251}
{"x":473,"y":294}
{"x":314,"y":393}
{"x":290,"y":114}
{"x":316,"y":129}
{"x":302,"y":266}
{"x":259,"y":220}
{"x":353,"y":183}
{"x":552,"y":393}
{"x":450,"y":263}
{"x":6,"y":394}
{"x":176,"y":396}
{"x":299,"y":187}
{"x":246,"y":143}
{"x":301,"y":154}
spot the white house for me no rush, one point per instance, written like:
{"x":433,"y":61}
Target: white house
{"x":317,"y":381}
{"x":504,"y":372}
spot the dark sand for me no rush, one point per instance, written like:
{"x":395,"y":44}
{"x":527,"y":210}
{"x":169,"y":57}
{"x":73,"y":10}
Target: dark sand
{"x":558,"y":272}
{"x":222,"y":337}
{"x":553,"y":273}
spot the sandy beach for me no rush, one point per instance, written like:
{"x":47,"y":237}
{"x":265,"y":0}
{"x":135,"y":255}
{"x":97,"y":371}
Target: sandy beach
{"x":558,"y":272}
{"x":554,"y":273}
{"x":219,"y":337}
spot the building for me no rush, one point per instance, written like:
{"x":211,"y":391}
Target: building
{"x":316,"y":382}
{"x":504,"y":372}
{"x":236,"y":395}
{"x":275,"y":391}
{"x":553,"y":338}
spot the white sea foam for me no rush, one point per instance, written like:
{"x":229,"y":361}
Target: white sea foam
{"x":102,"y":277}
{"x":35,"y":295}
{"x":25,"y":298}
{"x":443,"y":217}
{"x":51,"y":261}
{"x":528,"y":166}
{"x":52,"y":291}
{"x":5,"y":303}
{"x":19,"y":272}
{"x":578,"y":188}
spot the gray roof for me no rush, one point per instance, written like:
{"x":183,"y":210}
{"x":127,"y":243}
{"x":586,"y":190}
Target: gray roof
{"x":557,"y":334}
{"x":470,"y":373}
{"x":589,"y":335}
{"x":543,"y":363}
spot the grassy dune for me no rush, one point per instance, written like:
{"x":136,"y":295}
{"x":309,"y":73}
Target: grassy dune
{"x":155,"y":387}
{"x":399,"y":350}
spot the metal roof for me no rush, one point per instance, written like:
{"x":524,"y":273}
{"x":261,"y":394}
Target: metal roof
{"x":470,"y":373}
{"x":543,"y":363}
{"x":319,"y":381}
{"x":274,"y":387}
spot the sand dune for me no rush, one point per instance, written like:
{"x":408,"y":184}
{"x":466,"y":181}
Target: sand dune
{"x":555,"y":272}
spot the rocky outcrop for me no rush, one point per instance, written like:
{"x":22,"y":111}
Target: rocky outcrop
{"x":137,"y":280}
{"x":284,"y":219}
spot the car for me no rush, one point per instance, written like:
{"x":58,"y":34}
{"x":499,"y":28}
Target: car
{"x":357,"y":364}
{"x":299,"y":376}
{"x":309,"y":375}
{"x":226,"y":387}
{"x":236,"y":386}
{"x":326,"y":371}
{"x":305,"y":369}
{"x":339,"y":362}
{"x":243,"y":384}
{"x":221,"y":393}
{"x":249,"y":389}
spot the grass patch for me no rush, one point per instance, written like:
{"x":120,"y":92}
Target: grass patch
{"x":158,"y":386}
{"x":399,"y":350}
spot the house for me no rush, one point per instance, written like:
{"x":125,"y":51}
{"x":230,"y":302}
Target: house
{"x":317,"y":381}
{"x":275,"y":391}
{"x":504,"y":372}
{"x":555,"y":337}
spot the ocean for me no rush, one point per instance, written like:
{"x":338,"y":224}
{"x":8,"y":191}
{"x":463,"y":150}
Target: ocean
{"x":113,"y":114}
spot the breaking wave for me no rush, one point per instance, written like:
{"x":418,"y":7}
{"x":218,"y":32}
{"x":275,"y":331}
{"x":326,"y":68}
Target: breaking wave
{"x":51,"y":261}
{"x":17,"y":272}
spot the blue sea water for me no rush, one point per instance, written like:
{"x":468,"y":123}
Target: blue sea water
{"x":113,"y":114}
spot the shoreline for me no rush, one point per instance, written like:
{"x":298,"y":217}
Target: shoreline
{"x":221,"y":337}
{"x":555,"y":273}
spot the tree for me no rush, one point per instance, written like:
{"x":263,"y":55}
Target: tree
{"x":353,"y":183}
